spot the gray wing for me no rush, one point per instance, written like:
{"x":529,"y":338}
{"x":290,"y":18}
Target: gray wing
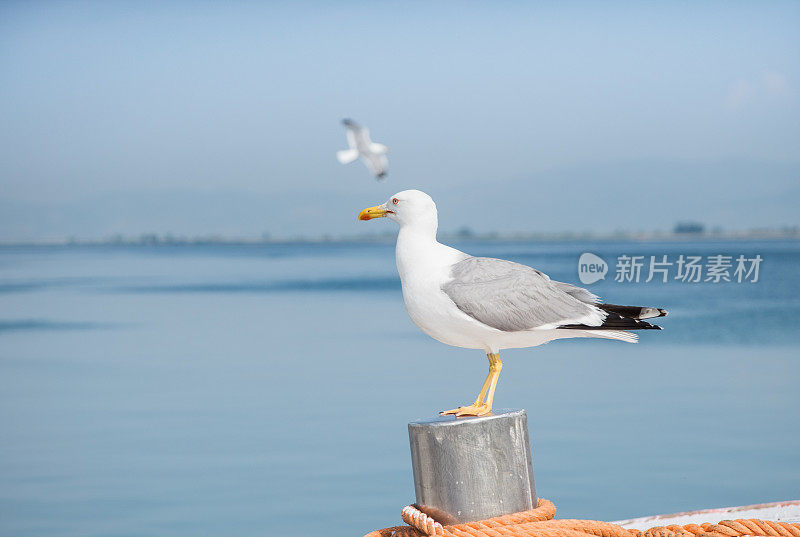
{"x":577,"y":292}
{"x":357,"y":135}
{"x":351,"y":138}
{"x":512,"y":297}
{"x":377,"y":164}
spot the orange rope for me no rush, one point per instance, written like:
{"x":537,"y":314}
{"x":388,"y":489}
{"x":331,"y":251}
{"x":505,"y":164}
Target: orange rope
{"x":539,"y":522}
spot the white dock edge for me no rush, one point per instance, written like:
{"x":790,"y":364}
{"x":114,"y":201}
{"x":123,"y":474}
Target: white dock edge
{"x":788,"y":511}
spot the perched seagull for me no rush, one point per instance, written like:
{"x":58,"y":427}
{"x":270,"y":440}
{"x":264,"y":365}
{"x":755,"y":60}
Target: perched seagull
{"x":372,"y":154}
{"x":491,"y":304}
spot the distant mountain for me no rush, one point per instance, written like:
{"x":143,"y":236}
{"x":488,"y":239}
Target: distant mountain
{"x":603,"y":197}
{"x":631,"y":196}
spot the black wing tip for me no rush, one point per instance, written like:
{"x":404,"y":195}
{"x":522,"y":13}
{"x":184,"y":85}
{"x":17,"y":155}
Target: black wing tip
{"x":381,"y":175}
{"x":634,"y":312}
{"x":615,"y":321}
{"x":658,"y":312}
{"x":349,"y":122}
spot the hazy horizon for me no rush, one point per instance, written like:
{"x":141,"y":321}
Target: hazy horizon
{"x":223,"y":119}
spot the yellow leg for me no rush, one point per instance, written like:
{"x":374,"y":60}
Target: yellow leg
{"x":483,"y":403}
{"x":494,"y":365}
{"x":484,"y":389}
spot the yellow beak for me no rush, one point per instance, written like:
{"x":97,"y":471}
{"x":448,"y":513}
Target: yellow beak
{"x":372,"y":212}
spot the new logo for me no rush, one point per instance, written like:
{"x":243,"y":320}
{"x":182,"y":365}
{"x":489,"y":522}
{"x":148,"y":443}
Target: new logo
{"x":591,"y":268}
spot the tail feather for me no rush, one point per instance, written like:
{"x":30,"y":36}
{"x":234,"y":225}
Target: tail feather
{"x":619,"y":335}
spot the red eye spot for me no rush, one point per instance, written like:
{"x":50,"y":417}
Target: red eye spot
{"x":395,"y":200}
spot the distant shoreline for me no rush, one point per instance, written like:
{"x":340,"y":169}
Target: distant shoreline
{"x":389,"y":237}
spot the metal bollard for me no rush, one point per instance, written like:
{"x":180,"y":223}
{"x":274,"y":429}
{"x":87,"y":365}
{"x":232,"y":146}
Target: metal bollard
{"x":468,"y":469}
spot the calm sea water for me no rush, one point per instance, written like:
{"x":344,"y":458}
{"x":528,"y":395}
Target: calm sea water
{"x":265,"y":390}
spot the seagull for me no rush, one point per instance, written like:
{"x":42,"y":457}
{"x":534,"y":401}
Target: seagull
{"x":372,"y":154}
{"x":491,"y":304}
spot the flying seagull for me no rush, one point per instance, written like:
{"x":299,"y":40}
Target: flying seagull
{"x":491,"y":304}
{"x":372,"y":154}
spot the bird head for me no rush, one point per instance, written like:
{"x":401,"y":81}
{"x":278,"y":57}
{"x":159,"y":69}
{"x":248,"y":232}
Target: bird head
{"x":409,"y":207}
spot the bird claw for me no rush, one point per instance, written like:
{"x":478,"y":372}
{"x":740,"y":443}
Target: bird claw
{"x":471,"y":410}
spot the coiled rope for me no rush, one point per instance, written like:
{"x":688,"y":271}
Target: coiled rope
{"x":539,"y":522}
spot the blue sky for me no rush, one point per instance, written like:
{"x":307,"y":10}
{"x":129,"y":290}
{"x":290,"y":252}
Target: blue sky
{"x":223,"y":117}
